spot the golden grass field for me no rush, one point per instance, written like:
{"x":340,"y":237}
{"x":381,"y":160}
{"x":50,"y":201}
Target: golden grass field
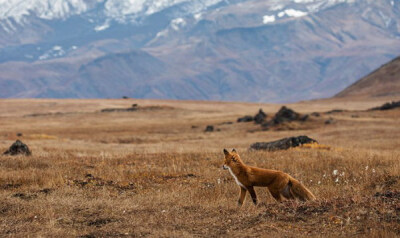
{"x":156,"y":173}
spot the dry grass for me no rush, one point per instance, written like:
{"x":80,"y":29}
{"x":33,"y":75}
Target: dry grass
{"x":157,"y":173}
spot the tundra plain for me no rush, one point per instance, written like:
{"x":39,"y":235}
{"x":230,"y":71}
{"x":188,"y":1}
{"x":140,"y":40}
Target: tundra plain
{"x":154,"y":172}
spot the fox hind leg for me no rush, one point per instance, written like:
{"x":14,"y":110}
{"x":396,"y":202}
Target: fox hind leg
{"x":287,"y":193}
{"x":276,"y":194}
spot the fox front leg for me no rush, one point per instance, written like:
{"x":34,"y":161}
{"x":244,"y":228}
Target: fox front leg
{"x":242,"y":196}
{"x":253,"y":194}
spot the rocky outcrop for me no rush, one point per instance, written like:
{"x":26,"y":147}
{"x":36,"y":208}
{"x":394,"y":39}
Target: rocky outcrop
{"x":282,"y":144}
{"x":18,"y":148}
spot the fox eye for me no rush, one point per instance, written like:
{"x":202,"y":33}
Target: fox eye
{"x":233,"y":159}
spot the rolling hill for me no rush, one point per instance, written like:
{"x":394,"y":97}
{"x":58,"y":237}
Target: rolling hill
{"x":385,"y":81}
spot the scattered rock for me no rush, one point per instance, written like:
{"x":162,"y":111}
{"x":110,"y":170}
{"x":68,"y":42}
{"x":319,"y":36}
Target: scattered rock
{"x":49,"y":114}
{"x":315,"y":114}
{"x":334,"y":111}
{"x":282,"y":144}
{"x":285,"y":115}
{"x":387,"y":106}
{"x":209,"y":128}
{"x":245,"y":119}
{"x":260,"y":117}
{"x":227,"y":123}
{"x":18,"y":148}
{"x":135,"y":107}
{"x":329,"y":121}
{"x":304,"y":117}
{"x":130,"y":109}
{"x":194,"y":127}
{"x":19,"y":134}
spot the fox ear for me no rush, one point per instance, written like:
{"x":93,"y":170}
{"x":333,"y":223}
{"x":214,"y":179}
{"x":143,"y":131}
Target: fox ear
{"x":226,"y":152}
{"x":234,"y":151}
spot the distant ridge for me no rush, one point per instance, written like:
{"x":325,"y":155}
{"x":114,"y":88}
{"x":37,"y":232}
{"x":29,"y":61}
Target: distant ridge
{"x":385,"y":81}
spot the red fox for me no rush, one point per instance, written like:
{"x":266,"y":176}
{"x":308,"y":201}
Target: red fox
{"x":279,"y":183}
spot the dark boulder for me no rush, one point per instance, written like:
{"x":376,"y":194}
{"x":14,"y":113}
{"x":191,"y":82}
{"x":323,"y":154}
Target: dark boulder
{"x":304,"y":117}
{"x":329,"y":121}
{"x":335,"y":111}
{"x":209,"y":129}
{"x":282,"y":144}
{"x":387,"y":106}
{"x":260,"y":117}
{"x":285,"y":115}
{"x":18,"y":148}
{"x":134,"y":107}
{"x":245,"y":119}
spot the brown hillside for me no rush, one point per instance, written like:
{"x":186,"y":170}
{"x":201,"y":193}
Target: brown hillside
{"x":385,"y":81}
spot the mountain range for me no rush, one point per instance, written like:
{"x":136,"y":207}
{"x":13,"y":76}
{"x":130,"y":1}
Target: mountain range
{"x":237,"y":50}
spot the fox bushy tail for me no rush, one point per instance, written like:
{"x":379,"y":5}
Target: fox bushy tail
{"x":299,"y":191}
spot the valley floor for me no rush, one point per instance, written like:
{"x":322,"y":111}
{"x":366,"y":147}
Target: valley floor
{"x":155,"y":172}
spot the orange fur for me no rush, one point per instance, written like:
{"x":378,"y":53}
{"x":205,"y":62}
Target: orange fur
{"x":280,"y":184}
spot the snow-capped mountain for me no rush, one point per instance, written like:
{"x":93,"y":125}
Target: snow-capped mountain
{"x":275,"y":50}
{"x":16,"y":13}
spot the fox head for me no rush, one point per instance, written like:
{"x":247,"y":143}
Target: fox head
{"x":231,"y":159}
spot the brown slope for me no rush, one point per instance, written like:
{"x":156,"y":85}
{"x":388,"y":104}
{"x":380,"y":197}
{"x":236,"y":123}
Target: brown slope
{"x":385,"y":81}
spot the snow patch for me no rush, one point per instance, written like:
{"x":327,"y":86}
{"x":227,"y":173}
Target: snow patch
{"x":45,"y":9}
{"x":56,"y":51}
{"x":268,"y":19}
{"x":292,"y":13}
{"x":198,"y":16}
{"x":162,"y":33}
{"x":102,"y":27}
{"x":177,"y":23}
{"x":57,"y":48}
{"x":124,"y":10}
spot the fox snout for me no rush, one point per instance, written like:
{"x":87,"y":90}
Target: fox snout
{"x":225,"y":167}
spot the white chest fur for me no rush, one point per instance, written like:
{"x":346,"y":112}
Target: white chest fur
{"x":236,"y":179}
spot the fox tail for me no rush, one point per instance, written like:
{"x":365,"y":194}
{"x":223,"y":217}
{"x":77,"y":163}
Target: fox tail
{"x":299,"y":191}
